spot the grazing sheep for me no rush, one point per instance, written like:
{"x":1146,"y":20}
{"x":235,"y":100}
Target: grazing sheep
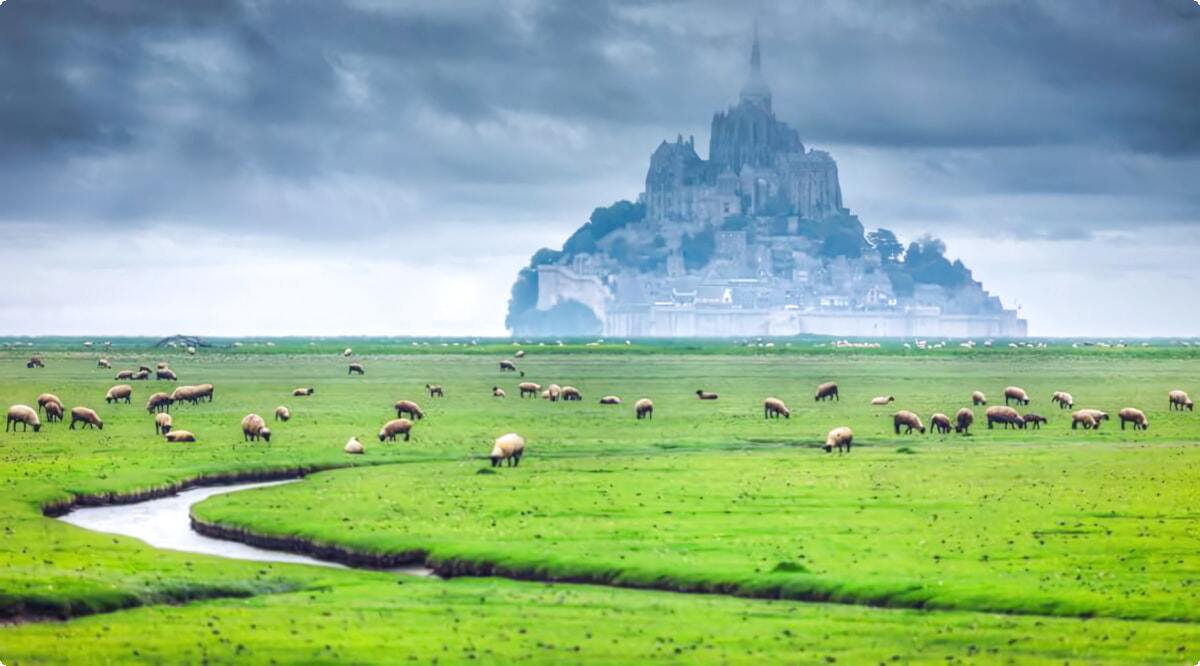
{"x":206,"y":391}
{"x":159,"y":402}
{"x":644,"y":409}
{"x":546,"y":394}
{"x":882,"y":400}
{"x":409,"y":407}
{"x":571,"y":393}
{"x":1179,"y":400}
{"x":54,"y":412}
{"x":1084,"y":418}
{"x":35,"y":362}
{"x":303,"y":391}
{"x":124,"y":374}
{"x":508,"y":447}
{"x":354,"y":446}
{"x":348,"y":352}
{"x":827,"y":391}
{"x":839,"y":438}
{"x":167,"y":374}
{"x":553,"y":392}
{"x":907,"y":420}
{"x":254,"y":426}
{"x":498,"y":392}
{"x":1097,"y":416}
{"x":141,"y":376}
{"x":435,"y":390}
{"x":529,"y":389}
{"x":144,"y":368}
{"x":191,"y":351}
{"x":118,"y":393}
{"x":520,"y":353}
{"x":190,"y":394}
{"x":774,"y":408}
{"x":1135,"y":416}
{"x":977,"y":398}
{"x":180,"y":436}
{"x":25,"y":415}
{"x":1004,"y":414}
{"x":963,"y":419}
{"x":282,"y":413}
{"x":396,"y":427}
{"x":508,"y":366}
{"x":355,"y":368}
{"x":704,"y":395}
{"x":103,"y":363}
{"x":45,"y":398}
{"x":1015,"y":393}
{"x":610,"y":400}
{"x":1035,"y":420}
{"x":1064,"y":399}
{"x":89,"y":417}
{"x":162,"y":424}
{"x":939,"y":422}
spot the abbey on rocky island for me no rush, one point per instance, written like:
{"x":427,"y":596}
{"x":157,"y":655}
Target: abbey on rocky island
{"x":753,"y":241}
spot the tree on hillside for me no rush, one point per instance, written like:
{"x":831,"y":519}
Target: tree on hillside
{"x":842,"y":244}
{"x":885,"y":243}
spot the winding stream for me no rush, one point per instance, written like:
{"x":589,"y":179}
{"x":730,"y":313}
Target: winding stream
{"x":166,"y":523}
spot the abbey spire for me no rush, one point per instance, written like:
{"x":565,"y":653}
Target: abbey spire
{"x":756,"y":91}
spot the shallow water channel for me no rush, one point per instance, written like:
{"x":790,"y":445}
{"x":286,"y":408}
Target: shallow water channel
{"x":166,"y":523}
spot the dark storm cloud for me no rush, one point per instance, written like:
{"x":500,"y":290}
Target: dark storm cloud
{"x":286,"y":115}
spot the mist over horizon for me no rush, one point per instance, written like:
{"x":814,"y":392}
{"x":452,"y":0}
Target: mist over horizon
{"x":361,"y":168}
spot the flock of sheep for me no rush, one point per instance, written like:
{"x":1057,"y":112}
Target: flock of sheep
{"x":510,"y":447}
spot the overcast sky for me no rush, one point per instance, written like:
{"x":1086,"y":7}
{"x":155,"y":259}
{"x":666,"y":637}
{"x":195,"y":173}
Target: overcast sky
{"x":370,"y":167}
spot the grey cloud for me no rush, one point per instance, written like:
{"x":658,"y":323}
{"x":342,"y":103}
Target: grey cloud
{"x":282,"y":116}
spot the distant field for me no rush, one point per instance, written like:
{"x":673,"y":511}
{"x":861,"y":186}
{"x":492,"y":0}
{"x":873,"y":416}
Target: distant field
{"x":706,"y":496}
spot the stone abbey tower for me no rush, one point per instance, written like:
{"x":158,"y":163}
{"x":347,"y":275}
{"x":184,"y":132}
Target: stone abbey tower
{"x":753,"y":157}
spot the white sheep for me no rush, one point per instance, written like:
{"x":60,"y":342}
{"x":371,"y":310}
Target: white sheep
{"x":1004,"y":414}
{"x":411,"y":408}
{"x":47,"y":398}
{"x":908,"y":420}
{"x":508,"y":447}
{"x":254,"y":426}
{"x":1016,"y":393}
{"x":354,"y":446}
{"x":977,"y":398}
{"x":497,"y":392}
{"x":1135,"y":416}
{"x":162,"y":423}
{"x":180,"y":436}
{"x":1064,"y":399}
{"x":54,"y":411}
{"x":839,"y":438}
{"x":282,"y":413}
{"x":89,"y":418}
{"x":159,"y":402}
{"x":396,"y":427}
{"x":348,"y":352}
{"x":774,"y":408}
{"x":118,"y":393}
{"x":24,"y":415}
{"x":1180,"y":400}
{"x":644,"y":409}
{"x":610,"y":400}
{"x":882,"y":400}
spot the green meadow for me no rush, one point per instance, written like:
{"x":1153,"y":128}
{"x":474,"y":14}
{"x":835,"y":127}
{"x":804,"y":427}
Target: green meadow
{"x":1036,"y":545}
